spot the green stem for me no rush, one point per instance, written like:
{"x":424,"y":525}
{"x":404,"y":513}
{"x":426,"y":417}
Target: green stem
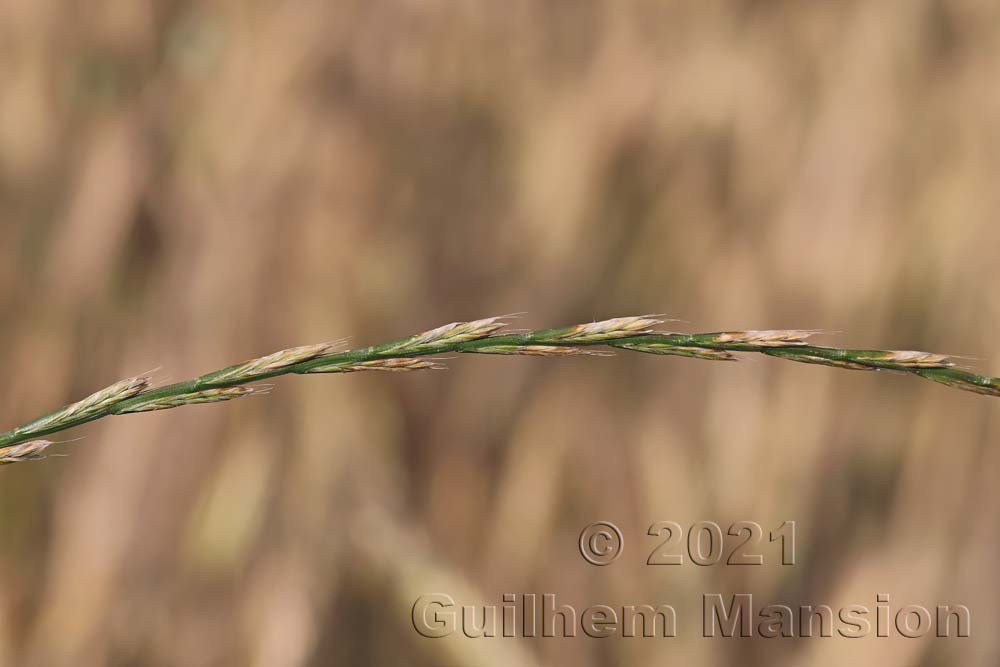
{"x":644,"y":341}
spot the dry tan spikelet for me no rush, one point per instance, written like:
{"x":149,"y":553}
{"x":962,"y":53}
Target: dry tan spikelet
{"x":277,"y":361}
{"x":907,"y":358}
{"x":680,"y":351}
{"x":191,"y":398}
{"x":33,"y":450}
{"x":766,"y":338}
{"x":619,"y":327}
{"x":456,"y":332}
{"x":542,"y":351}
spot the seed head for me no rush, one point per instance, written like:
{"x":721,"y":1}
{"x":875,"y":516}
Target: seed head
{"x":807,"y":358}
{"x":765,"y":338}
{"x":680,"y":351}
{"x":394,"y":365}
{"x":117,"y":392}
{"x":906,"y":359}
{"x":541,"y":351}
{"x":192,"y":398}
{"x":619,"y":327}
{"x":456,"y":332}
{"x":277,"y":361}
{"x":26,"y":451}
{"x":93,"y":404}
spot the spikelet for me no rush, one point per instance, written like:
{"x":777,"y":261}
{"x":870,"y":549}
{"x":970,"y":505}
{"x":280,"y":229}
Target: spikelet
{"x":679,"y":350}
{"x":94,"y":404}
{"x":619,"y":327}
{"x":449,"y":334}
{"x":33,"y":450}
{"x":540,"y":351}
{"x":190,"y":398}
{"x":904,"y":358}
{"x":256,"y":368}
{"x":395,"y":365}
{"x":765,"y":338}
{"x":807,"y":358}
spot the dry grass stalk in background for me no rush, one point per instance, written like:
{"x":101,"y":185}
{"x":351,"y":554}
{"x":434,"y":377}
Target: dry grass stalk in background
{"x":477,"y":337}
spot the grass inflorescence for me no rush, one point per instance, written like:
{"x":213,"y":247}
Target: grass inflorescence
{"x":484,"y":336}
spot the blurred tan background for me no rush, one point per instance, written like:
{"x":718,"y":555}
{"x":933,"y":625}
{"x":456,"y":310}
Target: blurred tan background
{"x":186,"y":185}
